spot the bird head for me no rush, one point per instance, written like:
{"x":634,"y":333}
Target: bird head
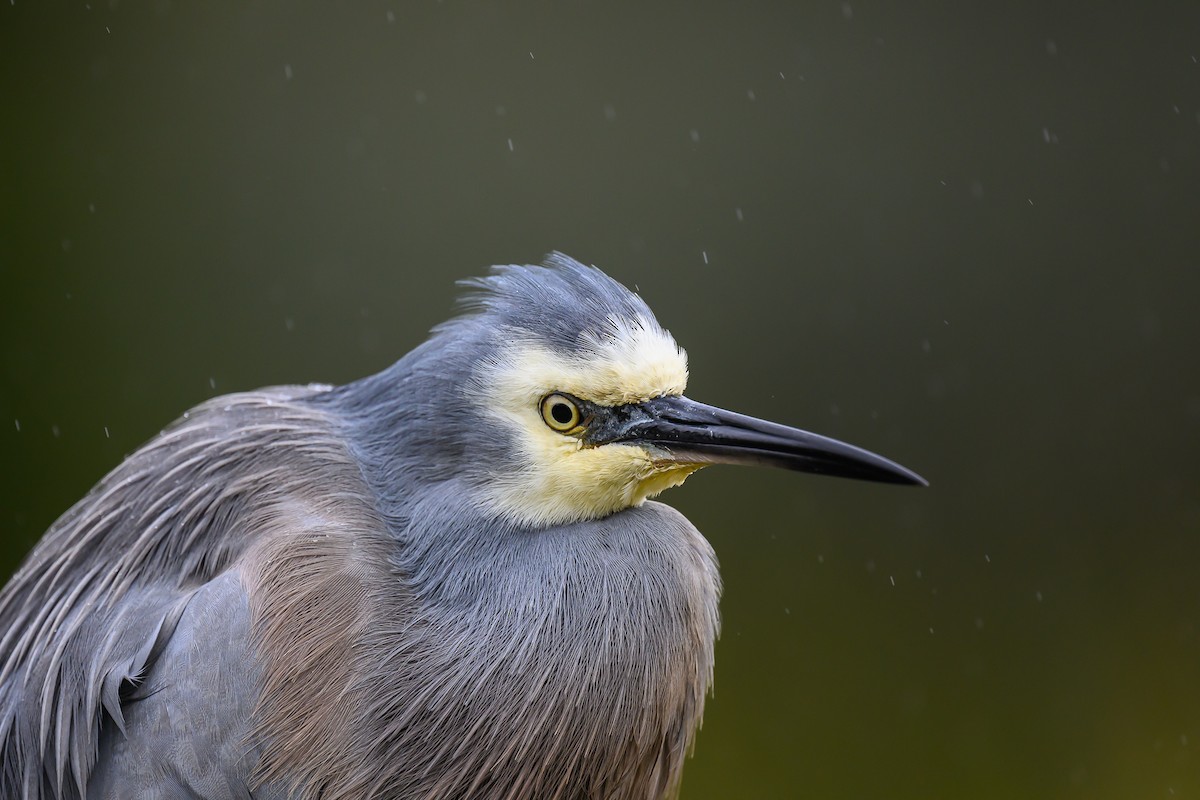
{"x":579,"y":405}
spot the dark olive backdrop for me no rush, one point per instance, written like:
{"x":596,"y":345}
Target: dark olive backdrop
{"x":964,"y":235}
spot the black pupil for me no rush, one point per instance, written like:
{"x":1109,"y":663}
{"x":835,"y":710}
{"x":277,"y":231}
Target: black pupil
{"x":562,"y":413}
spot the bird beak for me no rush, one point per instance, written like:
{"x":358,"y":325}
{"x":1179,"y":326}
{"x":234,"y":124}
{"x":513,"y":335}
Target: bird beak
{"x":697,"y":434}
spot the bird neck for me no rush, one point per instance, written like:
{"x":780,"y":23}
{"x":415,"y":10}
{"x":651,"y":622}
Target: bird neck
{"x":569,"y":661}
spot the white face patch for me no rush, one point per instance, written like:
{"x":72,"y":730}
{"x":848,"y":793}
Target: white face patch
{"x":560,"y":480}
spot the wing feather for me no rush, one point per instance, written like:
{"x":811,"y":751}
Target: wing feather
{"x":96,"y":603}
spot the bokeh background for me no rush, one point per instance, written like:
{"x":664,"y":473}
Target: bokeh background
{"x":965,"y":235}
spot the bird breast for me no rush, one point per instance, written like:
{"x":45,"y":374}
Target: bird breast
{"x":568,"y":663}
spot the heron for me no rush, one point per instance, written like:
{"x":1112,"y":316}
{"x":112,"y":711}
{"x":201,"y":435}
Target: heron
{"x":445,"y":580}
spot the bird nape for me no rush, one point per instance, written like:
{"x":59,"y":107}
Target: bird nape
{"x":441,"y":581}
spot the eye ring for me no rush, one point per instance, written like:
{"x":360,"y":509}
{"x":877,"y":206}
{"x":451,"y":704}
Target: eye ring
{"x":561,"y":412}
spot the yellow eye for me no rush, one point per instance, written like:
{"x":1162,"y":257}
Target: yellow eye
{"x":560,"y":412}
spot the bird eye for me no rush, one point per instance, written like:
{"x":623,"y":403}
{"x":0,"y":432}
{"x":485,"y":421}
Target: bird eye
{"x":560,"y":412}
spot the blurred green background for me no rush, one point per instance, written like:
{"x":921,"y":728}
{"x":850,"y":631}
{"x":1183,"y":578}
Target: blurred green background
{"x":965,"y":235}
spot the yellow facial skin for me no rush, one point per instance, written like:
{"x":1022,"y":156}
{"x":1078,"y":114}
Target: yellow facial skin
{"x":562,"y":480}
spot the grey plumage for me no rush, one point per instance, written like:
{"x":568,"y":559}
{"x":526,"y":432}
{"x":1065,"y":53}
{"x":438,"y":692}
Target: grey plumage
{"x":441,"y":581}
{"x":405,"y":643}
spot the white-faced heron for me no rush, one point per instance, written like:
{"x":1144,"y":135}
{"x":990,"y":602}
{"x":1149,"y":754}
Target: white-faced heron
{"x":441,"y":581}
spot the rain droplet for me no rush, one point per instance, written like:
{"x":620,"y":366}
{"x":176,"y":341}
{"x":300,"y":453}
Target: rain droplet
{"x":704,"y":253}
{"x":17,"y":422}
{"x":54,"y":429}
{"x":695,"y":134}
{"x":287,"y":71}
{"x":510,"y":145}
{"x":106,"y":436}
{"x":738,"y":213}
